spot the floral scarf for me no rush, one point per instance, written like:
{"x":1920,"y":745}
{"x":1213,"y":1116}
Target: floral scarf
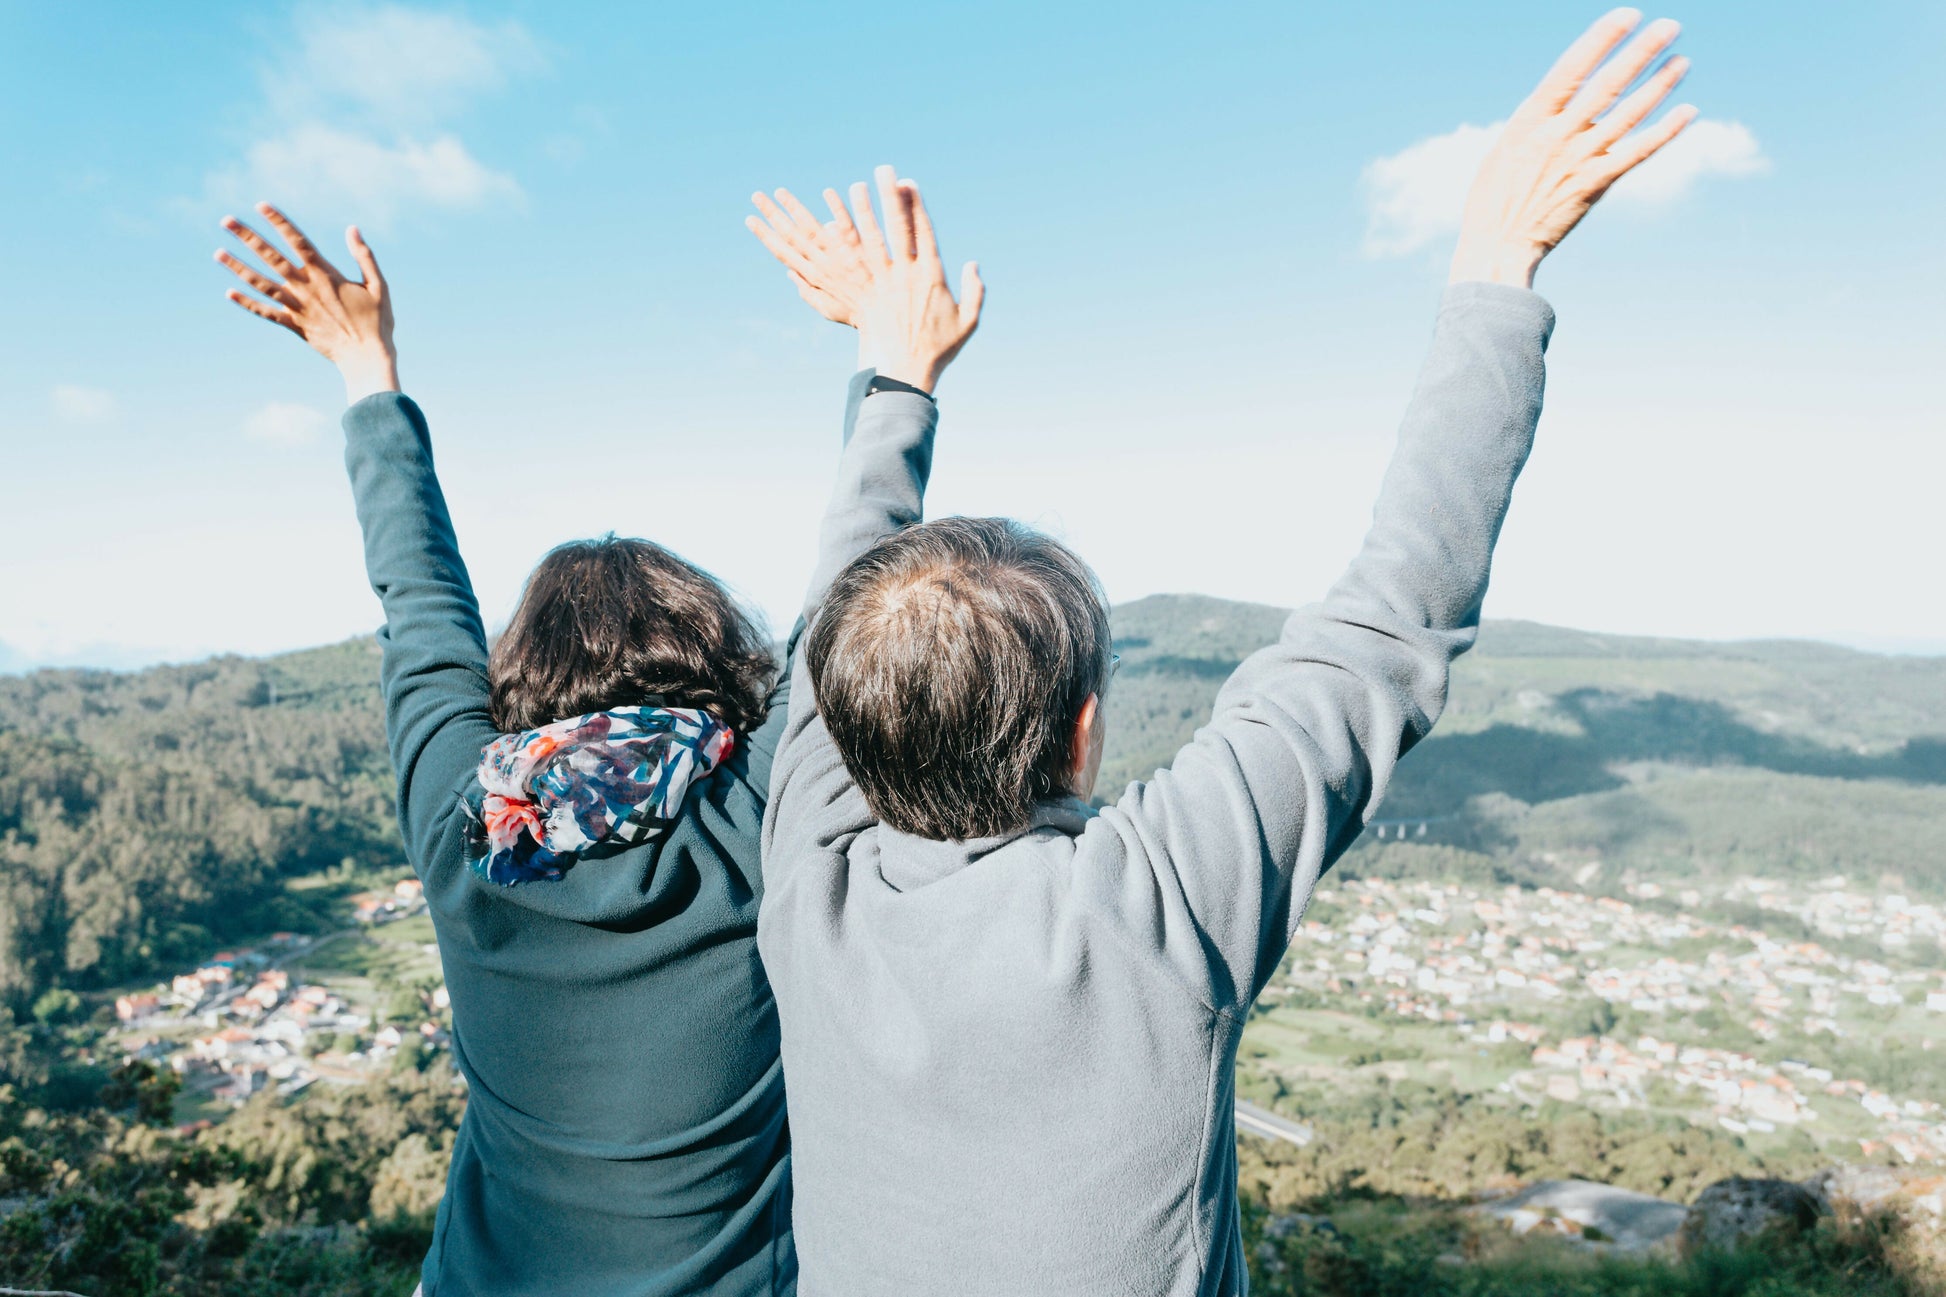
{"x":616,"y":776}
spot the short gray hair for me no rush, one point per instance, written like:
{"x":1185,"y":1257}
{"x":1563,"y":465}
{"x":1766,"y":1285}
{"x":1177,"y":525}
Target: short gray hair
{"x":951,"y":662}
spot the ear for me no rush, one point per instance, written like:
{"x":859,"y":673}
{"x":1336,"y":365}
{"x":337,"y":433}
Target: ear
{"x":1081,"y":747}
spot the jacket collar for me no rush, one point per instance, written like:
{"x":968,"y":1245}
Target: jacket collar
{"x":908,"y":862}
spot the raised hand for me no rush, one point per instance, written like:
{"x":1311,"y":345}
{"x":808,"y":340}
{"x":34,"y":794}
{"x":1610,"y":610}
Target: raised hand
{"x":889,"y":285}
{"x":348,"y":323}
{"x":1565,"y":145}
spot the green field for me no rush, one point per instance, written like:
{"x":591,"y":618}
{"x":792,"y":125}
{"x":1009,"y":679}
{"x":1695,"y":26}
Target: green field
{"x":401,"y":953}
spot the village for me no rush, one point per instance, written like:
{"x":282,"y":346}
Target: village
{"x":1486,"y":964}
{"x":1489,"y":964}
{"x":242,"y":1022}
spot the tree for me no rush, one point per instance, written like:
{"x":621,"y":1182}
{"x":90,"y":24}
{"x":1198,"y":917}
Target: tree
{"x":56,"y":1006}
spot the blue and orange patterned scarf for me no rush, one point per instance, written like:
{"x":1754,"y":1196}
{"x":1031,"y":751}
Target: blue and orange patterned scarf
{"x":616,"y":776}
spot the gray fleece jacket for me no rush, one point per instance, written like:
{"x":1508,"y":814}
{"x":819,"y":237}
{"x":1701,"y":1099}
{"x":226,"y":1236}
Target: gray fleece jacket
{"x":1010,"y":1061}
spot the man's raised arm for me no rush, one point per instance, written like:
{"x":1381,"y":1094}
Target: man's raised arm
{"x":1307,"y":732}
{"x":891,"y":286}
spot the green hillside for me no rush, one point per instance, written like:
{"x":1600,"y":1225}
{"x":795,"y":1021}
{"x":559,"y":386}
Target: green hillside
{"x":1563,"y":748}
{"x":146,"y":815}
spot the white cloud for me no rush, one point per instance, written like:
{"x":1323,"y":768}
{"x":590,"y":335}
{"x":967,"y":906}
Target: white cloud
{"x":395,"y":68}
{"x":1707,"y":148}
{"x":81,"y":404}
{"x":283,"y":424}
{"x":318,"y":164}
{"x":362,"y":108}
{"x":1415,"y":197}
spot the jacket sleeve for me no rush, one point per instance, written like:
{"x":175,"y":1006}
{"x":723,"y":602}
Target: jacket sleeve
{"x":1306,"y":733}
{"x":433,"y":669}
{"x":881,"y":487}
{"x":763,"y":744}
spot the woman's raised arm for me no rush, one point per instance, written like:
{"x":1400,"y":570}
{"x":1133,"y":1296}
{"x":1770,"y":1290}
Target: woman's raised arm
{"x":434,"y":669}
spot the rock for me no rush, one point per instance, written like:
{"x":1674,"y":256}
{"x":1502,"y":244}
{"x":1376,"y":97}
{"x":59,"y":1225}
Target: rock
{"x":1590,"y":1212}
{"x":1279,"y":1226}
{"x":1928,"y":1194}
{"x":1864,"y":1187}
{"x":1733,"y":1212}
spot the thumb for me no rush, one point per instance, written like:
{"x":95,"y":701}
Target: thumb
{"x":362,"y":253}
{"x":972,"y":293}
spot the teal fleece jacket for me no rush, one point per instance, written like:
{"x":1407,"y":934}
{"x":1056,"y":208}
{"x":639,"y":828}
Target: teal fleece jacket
{"x":1011,"y":1061}
{"x":625,"y":1132}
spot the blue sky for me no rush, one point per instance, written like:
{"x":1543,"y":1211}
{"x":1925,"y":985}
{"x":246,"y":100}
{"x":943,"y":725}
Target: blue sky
{"x":1213,"y":237}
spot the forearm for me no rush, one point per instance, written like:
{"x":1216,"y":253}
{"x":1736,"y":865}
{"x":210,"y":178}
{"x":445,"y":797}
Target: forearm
{"x":410,"y":548}
{"x":434,"y":644}
{"x":1362,"y":677}
{"x":881,"y":482}
{"x":880,"y":487}
{"x":1464,"y":439}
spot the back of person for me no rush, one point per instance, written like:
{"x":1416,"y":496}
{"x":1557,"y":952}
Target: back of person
{"x":1041,"y":1098}
{"x":625,"y":1129}
{"x":583,"y":805}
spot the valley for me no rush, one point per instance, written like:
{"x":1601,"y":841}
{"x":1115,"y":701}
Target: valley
{"x":1641,"y":912}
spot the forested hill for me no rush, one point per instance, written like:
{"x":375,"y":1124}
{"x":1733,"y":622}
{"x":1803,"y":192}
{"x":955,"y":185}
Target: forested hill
{"x":1568,"y":753}
{"x":145,"y":816}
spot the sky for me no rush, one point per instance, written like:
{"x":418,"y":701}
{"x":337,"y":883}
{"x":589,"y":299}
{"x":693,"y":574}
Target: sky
{"x":1214,"y":239}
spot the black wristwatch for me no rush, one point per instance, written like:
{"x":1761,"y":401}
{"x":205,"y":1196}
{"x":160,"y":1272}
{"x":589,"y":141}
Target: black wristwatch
{"x":880,"y":383}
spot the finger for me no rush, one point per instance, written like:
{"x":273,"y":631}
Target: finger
{"x":361,"y":252}
{"x":793,"y":260}
{"x":840,"y":223}
{"x":799,"y":212}
{"x":1635,"y":109}
{"x":261,"y":311}
{"x":1606,"y":86}
{"x":898,"y":220}
{"x":869,"y":235}
{"x":786,"y":229}
{"x":307,"y":252}
{"x":270,"y":288}
{"x":925,"y":242}
{"x":1639,"y":148}
{"x":972,"y":296}
{"x":816,"y":298}
{"x":1582,"y":58}
{"x":257,"y":243}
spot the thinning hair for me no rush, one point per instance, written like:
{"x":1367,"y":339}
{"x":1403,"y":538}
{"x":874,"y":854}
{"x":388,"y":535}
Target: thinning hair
{"x":610,"y":623}
{"x":951,"y":662}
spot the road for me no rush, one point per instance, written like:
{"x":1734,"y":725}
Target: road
{"x":1269,"y":1125}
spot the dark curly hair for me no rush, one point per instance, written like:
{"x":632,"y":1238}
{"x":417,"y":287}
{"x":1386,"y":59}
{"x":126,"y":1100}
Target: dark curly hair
{"x":612,"y":623}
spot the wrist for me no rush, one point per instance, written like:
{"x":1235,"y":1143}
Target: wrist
{"x":368,"y":374}
{"x":921,"y":372}
{"x":1500,"y":263}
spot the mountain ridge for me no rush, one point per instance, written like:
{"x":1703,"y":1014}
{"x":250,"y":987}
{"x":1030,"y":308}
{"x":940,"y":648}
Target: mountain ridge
{"x":144,"y":814}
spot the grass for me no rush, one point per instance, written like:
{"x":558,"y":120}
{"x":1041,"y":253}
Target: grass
{"x":1392,"y":1248}
{"x":386,"y":952}
{"x":1315,"y":1042}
